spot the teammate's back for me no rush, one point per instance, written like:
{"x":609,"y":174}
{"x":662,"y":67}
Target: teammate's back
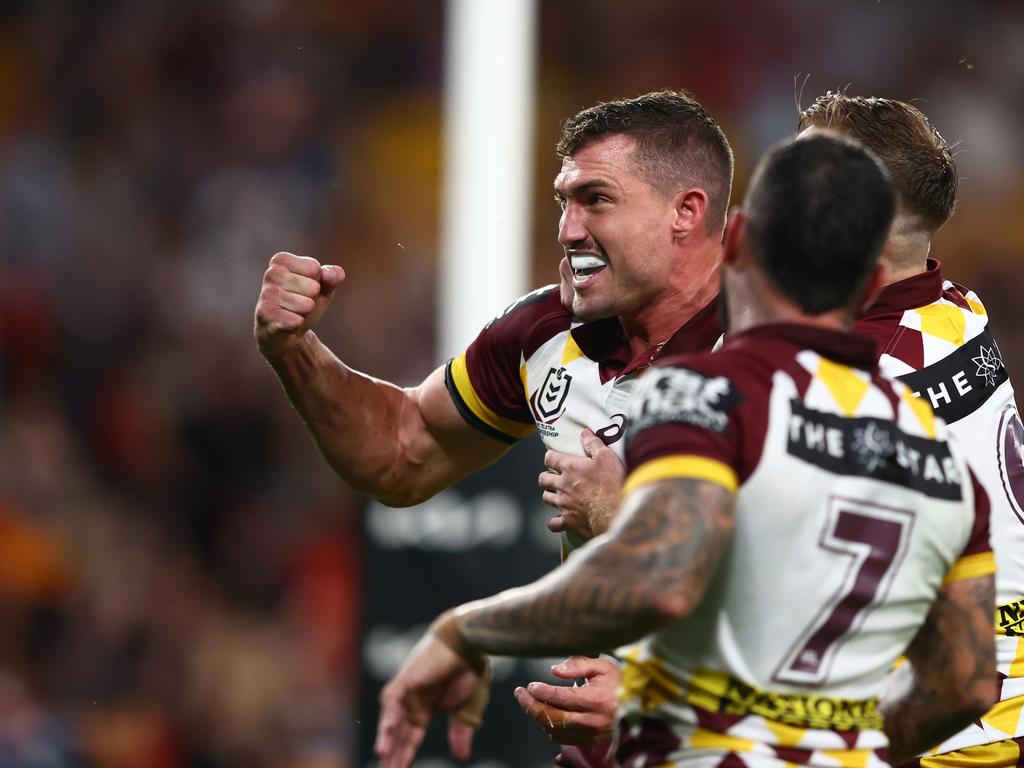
{"x":852,"y":511}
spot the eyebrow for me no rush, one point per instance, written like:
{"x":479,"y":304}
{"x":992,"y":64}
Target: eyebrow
{"x":586,"y":186}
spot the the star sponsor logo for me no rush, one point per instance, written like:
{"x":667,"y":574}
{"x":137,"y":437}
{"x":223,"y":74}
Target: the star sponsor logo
{"x":989,"y":364}
{"x":959,"y":383}
{"x":872,"y":446}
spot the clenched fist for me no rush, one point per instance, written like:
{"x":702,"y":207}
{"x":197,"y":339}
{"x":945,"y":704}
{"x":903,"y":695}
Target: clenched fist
{"x":296,"y":291}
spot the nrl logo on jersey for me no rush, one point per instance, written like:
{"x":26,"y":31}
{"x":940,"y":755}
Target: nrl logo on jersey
{"x":548,"y":402}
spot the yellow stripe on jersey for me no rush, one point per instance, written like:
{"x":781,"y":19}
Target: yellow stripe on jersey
{"x":1000,"y":754}
{"x":786,"y":735}
{"x":647,"y":682}
{"x":460,"y":375}
{"x":694,"y":467}
{"x":1005,"y":715}
{"x":971,"y":567}
{"x":922,"y":410}
{"x":976,"y":306}
{"x":944,"y":321}
{"x":1017,"y":665}
{"x":846,"y":386}
{"x":849,"y":758}
{"x":572,"y":350}
{"x":702,"y":738}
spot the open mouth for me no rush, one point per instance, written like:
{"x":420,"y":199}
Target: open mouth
{"x":585,"y":265}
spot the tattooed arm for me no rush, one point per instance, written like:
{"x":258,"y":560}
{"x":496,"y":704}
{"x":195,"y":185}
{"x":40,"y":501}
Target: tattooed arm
{"x":950,"y":679}
{"x":649,"y":570}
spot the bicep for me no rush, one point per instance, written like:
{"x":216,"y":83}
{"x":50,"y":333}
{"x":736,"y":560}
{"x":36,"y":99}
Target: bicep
{"x":436,"y":437}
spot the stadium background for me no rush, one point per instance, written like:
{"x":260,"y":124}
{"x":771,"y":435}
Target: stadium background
{"x":182,"y":581}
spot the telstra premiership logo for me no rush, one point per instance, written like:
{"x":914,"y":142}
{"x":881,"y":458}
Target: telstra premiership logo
{"x":548,"y":402}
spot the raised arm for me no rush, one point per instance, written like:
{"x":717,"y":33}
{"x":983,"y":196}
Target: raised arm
{"x":950,"y":678}
{"x":400,"y":446}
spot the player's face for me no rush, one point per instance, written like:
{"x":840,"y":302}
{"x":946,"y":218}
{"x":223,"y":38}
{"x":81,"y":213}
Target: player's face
{"x":616,"y":230}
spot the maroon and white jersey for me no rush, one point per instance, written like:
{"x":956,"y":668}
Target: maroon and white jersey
{"x":851,"y":512}
{"x":534,"y":367}
{"x":933,"y":335}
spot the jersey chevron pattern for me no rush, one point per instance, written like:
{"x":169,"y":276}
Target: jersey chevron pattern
{"x":933,"y":335}
{"x":534,"y":368}
{"x":851,"y":511}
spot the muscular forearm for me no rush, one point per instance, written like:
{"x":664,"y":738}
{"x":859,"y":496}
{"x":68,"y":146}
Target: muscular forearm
{"x":918,"y":717}
{"x":354,"y":419}
{"x":949,"y":680}
{"x":575,"y":609}
{"x":650,"y":570}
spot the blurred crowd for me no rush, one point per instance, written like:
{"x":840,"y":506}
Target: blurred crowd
{"x":179,"y":571}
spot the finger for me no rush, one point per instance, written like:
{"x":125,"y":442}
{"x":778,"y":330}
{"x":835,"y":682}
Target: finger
{"x":388,"y":725}
{"x":403,"y":742}
{"x":296,"y":303}
{"x":405,"y":750}
{"x":460,"y":740}
{"x":582,"y":666}
{"x":566,"y":697}
{"x":554,"y":460}
{"x":549,"y":481}
{"x":524,"y":698}
{"x":274,"y":317}
{"x":295,"y":283}
{"x":592,"y":444}
{"x":551,"y":499}
{"x":301,"y":265}
{"x":331,"y":276}
{"x":547,"y":717}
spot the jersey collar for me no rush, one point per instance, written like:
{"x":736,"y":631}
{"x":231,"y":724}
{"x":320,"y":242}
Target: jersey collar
{"x":843,"y":347}
{"x":915,"y":291}
{"x":604,"y":342}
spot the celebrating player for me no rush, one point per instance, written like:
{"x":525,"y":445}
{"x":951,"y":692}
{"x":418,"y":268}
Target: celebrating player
{"x":644,"y":190}
{"x":792,"y":523}
{"x":933,"y":335}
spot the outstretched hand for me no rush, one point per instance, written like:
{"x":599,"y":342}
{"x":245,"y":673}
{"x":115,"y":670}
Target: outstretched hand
{"x":584,"y":489}
{"x":580,"y":716}
{"x":434,"y":678}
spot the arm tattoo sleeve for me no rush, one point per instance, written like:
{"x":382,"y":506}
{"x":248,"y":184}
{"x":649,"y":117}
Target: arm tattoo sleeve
{"x":950,"y":680}
{"x":651,"y":568}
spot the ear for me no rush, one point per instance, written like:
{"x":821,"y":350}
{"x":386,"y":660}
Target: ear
{"x":879,"y":279}
{"x":734,"y":248}
{"x":691,"y":206}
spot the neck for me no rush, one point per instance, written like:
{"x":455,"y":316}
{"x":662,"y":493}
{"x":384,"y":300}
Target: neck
{"x":906,"y":251}
{"x":688,"y":291}
{"x":759,"y":302}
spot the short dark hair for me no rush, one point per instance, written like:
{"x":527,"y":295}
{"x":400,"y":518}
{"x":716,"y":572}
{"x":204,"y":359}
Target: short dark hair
{"x":918,"y":158}
{"x":678,"y":143}
{"x":818,"y":213}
